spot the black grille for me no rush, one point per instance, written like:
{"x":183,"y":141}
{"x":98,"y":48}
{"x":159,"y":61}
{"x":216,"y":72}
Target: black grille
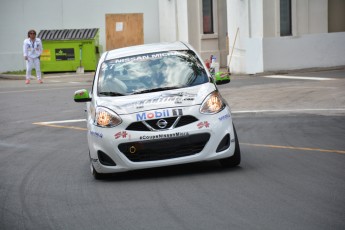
{"x":139,"y":125}
{"x":185,"y":120}
{"x":105,"y":159}
{"x":169,"y":120}
{"x":224,"y":144}
{"x":167,"y":148}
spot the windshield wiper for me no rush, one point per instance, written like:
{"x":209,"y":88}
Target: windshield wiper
{"x":156,"y":89}
{"x":111,"y":94}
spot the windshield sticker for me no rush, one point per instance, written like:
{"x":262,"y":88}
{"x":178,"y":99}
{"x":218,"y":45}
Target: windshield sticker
{"x":163,"y":136}
{"x":203,"y":124}
{"x":144,"y":57}
{"x":158,"y":114}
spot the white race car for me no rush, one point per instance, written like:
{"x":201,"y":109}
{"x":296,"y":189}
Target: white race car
{"x":156,"y":105}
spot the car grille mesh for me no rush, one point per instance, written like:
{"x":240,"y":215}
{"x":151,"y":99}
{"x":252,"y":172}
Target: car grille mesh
{"x":166,"y":148}
{"x":140,"y":126}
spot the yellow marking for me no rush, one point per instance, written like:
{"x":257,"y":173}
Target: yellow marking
{"x":257,"y":145}
{"x":61,"y":126}
{"x":296,"y":148}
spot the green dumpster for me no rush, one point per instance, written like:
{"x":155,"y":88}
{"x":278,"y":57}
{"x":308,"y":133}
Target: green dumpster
{"x":69,"y":50}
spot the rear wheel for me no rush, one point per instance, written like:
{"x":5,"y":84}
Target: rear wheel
{"x":235,"y":159}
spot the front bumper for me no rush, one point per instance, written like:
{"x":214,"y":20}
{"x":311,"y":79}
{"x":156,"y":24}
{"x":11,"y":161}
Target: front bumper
{"x":131,"y":150}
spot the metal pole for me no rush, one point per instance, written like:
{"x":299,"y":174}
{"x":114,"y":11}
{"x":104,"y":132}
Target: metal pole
{"x":233,"y":47}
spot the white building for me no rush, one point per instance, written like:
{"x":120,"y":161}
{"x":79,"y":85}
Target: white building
{"x":272,"y":35}
{"x":288,"y":34}
{"x":252,"y":36}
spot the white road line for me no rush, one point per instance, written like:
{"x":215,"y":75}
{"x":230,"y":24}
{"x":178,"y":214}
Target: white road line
{"x":286,"y":110}
{"x":37,"y":89}
{"x":52,"y":124}
{"x":60,"y":76}
{"x":234,"y":111}
{"x":300,"y":78}
{"x":60,"y":122}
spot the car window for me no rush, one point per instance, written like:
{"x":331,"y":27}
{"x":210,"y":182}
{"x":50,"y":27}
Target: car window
{"x":154,"y":71}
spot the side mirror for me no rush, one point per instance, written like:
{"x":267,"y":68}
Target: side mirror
{"x":222,"y":78}
{"x":82,"y":96}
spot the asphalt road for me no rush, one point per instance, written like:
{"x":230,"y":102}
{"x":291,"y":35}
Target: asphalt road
{"x":291,"y":133}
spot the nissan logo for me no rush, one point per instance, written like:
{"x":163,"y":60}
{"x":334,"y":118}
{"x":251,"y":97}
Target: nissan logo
{"x":161,"y":123}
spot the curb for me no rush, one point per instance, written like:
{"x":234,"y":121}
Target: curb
{"x":281,"y":72}
{"x":294,"y":71}
{"x":53,"y":75}
{"x":12,"y":77}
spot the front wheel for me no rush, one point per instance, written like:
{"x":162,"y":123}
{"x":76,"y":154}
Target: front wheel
{"x":235,"y":159}
{"x":95,"y":174}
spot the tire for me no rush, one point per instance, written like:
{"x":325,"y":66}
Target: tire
{"x":95,"y":174}
{"x":235,"y":159}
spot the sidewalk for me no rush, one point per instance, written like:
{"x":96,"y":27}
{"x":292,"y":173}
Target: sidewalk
{"x":46,"y":75}
{"x":317,"y":92}
{"x":74,"y":74}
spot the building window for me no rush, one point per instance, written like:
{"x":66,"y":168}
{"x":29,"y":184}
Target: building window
{"x":207,"y":15}
{"x":285,"y":18}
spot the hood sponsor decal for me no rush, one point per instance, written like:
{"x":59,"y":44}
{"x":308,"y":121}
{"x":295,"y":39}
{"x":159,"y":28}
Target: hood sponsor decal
{"x":163,"y":136}
{"x":158,"y":114}
{"x":177,"y":98}
{"x":225,"y":117}
{"x":203,"y":124}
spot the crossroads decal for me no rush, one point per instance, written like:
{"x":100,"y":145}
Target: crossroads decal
{"x":121,"y":134}
{"x":203,"y":124}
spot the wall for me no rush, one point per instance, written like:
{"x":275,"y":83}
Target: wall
{"x":208,"y":43}
{"x":222,"y":33}
{"x":336,"y":16}
{"x":168,"y":28}
{"x":238,"y":13}
{"x":182,"y":20}
{"x":268,"y":15}
{"x":194,"y":24}
{"x":174,"y":21}
{"x":307,"y":51}
{"x":18,"y":16}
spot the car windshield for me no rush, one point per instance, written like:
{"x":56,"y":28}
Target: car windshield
{"x":150,"y":73}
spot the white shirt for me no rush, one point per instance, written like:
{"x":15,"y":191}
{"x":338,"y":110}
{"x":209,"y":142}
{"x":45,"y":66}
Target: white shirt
{"x":32,"y":49}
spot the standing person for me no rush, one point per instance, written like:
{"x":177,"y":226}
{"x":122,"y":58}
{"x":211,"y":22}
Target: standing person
{"x":32,"y":49}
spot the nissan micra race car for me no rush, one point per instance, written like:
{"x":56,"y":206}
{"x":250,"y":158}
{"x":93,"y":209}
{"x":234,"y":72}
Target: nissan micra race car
{"x":156,"y":105}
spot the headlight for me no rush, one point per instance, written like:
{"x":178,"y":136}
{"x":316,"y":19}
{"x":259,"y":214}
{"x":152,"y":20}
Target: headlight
{"x":106,"y":118}
{"x":212,"y":104}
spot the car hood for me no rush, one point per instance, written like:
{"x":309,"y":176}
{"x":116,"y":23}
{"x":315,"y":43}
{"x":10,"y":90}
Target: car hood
{"x":157,"y":100}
